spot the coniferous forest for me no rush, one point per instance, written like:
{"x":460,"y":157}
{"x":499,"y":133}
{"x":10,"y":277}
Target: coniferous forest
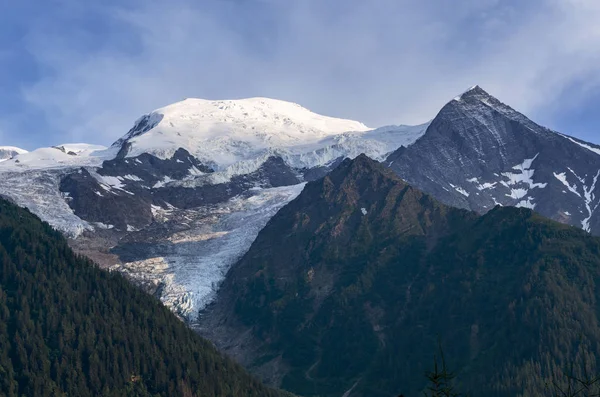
{"x":68,"y":328}
{"x":359,"y":300}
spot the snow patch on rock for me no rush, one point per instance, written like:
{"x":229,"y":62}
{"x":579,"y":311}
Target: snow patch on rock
{"x":521,"y":182}
{"x":562,"y":177}
{"x":589,"y":198}
{"x":460,"y":190}
{"x":583,"y":145}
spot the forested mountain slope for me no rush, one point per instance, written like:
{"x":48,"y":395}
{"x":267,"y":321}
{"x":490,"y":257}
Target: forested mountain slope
{"x":350,"y":286}
{"x":68,"y":328}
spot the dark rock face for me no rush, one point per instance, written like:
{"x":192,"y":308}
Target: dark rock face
{"x":275,"y":173}
{"x":348,"y":288}
{"x":478,"y":153}
{"x":62,"y":149}
{"x":123,"y":191}
{"x":272,"y":173}
{"x":144,"y":124}
{"x":151,"y":169}
{"x":96,"y":202}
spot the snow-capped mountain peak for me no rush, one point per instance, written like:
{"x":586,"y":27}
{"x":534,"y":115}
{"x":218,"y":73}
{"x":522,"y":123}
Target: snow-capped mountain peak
{"x":477,"y":95}
{"x":479,"y":152}
{"x":479,"y":104}
{"x":8,"y":152}
{"x":224,"y":132}
{"x":473,"y":90}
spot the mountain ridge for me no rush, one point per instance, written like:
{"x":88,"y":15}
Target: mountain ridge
{"x":348,"y":287}
{"x":228,"y":125}
{"x":478,"y":152}
{"x":175,"y":225}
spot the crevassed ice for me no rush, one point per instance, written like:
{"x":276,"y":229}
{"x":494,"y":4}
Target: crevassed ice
{"x":191,"y":264}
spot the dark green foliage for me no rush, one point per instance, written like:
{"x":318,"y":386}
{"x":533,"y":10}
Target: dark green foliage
{"x":441,"y":380}
{"x":68,"y":328}
{"x":360,"y":300}
{"x":570,"y":385}
{"x":574,"y":385}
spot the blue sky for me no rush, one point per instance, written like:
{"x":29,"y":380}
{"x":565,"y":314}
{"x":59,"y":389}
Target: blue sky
{"x":77,"y":71}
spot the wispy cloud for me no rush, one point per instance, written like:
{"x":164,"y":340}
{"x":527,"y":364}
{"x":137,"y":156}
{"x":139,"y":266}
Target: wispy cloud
{"x":380,"y":62}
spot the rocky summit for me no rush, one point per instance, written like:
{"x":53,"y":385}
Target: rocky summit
{"x":478,"y":153}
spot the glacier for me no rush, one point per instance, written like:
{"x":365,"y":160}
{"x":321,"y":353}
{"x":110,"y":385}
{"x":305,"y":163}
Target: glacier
{"x":188,"y":266}
{"x":184,"y":254}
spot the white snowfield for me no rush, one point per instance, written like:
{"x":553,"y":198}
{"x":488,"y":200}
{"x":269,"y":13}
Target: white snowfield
{"x":232,"y":134}
{"x":235,"y":137}
{"x":7,"y":152}
{"x":60,"y":156}
{"x":14,"y":149}
{"x":232,"y":130}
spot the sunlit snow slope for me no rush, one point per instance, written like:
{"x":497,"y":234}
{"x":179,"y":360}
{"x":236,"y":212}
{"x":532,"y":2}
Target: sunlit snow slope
{"x":59,"y":156}
{"x":8,"y":152}
{"x":225,"y":133}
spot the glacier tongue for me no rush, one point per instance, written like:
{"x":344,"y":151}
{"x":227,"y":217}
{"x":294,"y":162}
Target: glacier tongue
{"x":187,"y":266}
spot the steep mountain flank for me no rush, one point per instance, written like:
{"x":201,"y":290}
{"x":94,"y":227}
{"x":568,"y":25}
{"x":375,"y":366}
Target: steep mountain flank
{"x":479,"y":152}
{"x":349,"y":286}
